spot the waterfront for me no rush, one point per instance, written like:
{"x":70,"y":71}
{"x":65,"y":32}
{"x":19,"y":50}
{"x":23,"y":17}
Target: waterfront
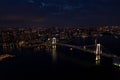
{"x":57,"y":61}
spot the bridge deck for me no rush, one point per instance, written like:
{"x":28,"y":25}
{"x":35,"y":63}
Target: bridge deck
{"x":87,"y":50}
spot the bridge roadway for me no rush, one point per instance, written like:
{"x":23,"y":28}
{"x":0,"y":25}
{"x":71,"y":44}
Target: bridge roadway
{"x":87,"y":50}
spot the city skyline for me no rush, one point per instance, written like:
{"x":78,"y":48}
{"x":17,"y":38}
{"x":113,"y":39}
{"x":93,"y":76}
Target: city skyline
{"x":54,"y":12}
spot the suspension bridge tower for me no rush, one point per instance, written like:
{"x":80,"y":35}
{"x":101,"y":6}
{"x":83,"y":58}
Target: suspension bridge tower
{"x":54,"y":42}
{"x":98,"y":52}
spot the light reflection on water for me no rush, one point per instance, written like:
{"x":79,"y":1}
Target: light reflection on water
{"x":54,"y":54}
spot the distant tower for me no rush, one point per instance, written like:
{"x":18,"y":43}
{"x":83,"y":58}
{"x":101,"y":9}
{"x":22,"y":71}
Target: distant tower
{"x":53,"y":41}
{"x":98,"y":52}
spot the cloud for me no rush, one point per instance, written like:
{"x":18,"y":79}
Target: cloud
{"x":31,"y":1}
{"x":61,"y":10}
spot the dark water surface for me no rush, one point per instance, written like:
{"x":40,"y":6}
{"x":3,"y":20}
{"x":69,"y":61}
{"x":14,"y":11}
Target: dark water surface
{"x":57,"y":64}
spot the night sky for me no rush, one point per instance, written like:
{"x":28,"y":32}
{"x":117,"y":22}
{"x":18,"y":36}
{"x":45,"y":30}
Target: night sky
{"x":82,"y":12}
